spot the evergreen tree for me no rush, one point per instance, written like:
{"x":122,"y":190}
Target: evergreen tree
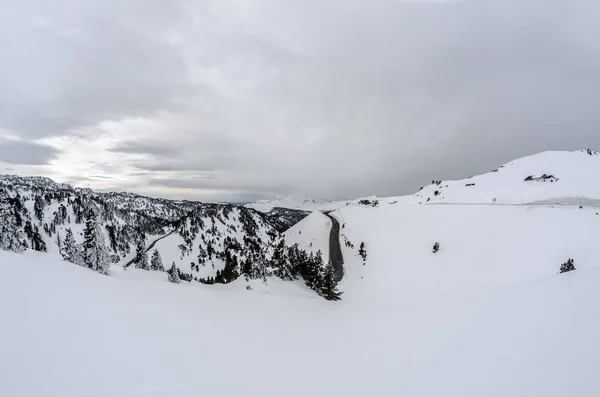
{"x":174,"y":274}
{"x":38,"y":208}
{"x":281,"y":263}
{"x":362,"y":251}
{"x":58,"y":242}
{"x":11,"y":238}
{"x":314,"y":270}
{"x":568,"y":266}
{"x":141,"y":256}
{"x":328,"y":288}
{"x":69,"y":249}
{"x":94,"y":252}
{"x":156,"y":262}
{"x":28,"y":229}
{"x":37,"y":242}
{"x":247,"y":268}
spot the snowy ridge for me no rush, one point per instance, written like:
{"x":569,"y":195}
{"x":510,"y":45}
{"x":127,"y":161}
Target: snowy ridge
{"x":36,"y":213}
{"x":297,"y":202}
{"x":486,"y":315}
{"x":311,"y":234}
{"x":576,"y":174}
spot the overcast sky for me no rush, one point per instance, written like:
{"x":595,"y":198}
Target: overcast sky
{"x":240,"y":99}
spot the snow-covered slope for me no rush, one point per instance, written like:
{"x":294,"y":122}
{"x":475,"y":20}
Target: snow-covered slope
{"x":487,"y":315}
{"x":311,"y":234}
{"x":576,"y":177}
{"x":480,"y":246}
{"x":67,"y":331}
{"x":297,"y":202}
{"x":36,"y":213}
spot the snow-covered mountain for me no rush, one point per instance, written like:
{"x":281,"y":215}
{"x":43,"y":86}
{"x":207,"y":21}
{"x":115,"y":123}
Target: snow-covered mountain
{"x":554,"y":177}
{"x":198,"y":238}
{"x":487,"y":313}
{"x":297,"y":202}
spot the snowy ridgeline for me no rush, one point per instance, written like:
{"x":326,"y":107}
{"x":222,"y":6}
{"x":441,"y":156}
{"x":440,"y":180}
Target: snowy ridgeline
{"x":448,"y":299}
{"x":206,"y":243}
{"x":555,"y":177}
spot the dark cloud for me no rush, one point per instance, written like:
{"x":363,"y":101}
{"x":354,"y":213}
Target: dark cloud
{"x":25,"y":153}
{"x":69,"y":65}
{"x":306,"y":95}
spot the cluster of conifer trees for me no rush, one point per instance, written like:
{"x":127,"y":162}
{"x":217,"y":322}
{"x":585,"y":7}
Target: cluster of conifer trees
{"x":287,"y":263}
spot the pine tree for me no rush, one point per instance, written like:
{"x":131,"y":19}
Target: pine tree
{"x":328,"y":288}
{"x":568,"y":266}
{"x":362,"y":251}
{"x":156,"y":262}
{"x":94,"y":251}
{"x":37,"y":242}
{"x":69,"y":249}
{"x":28,"y":229}
{"x":38,"y":208}
{"x":141,"y":256}
{"x":281,"y":263}
{"x":11,"y":238}
{"x":174,"y":274}
{"x":312,"y":270}
{"x":247,"y":268}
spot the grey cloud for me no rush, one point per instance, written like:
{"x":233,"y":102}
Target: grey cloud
{"x":213,"y":182}
{"x":25,"y":153}
{"x":370,"y":98}
{"x":154,"y":148}
{"x":69,"y":65}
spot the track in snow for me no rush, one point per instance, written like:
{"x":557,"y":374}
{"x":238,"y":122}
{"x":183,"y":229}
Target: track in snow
{"x":125,"y":266}
{"x":335,"y":250}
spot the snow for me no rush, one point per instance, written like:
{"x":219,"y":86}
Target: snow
{"x":297,"y":202}
{"x":68,"y":331}
{"x":480,"y":246}
{"x":578,"y":176}
{"x":311,"y":234}
{"x":487,"y":315}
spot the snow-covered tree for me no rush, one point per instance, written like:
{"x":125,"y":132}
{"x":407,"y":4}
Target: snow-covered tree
{"x":37,"y":242}
{"x":329,"y":289}
{"x":38,"y":208}
{"x":568,"y":266}
{"x":156,"y":262}
{"x":11,"y":238}
{"x":69,"y":249}
{"x":362,"y":251}
{"x":141,"y":256}
{"x":95,"y":256}
{"x":281,"y":263}
{"x":58,"y":241}
{"x":174,"y":274}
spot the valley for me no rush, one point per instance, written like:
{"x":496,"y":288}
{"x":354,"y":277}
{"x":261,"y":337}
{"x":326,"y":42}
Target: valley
{"x":487,"y":313}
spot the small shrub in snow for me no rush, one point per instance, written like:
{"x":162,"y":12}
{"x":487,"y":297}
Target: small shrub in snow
{"x":174,"y":274}
{"x":362,"y":252}
{"x":567,"y":266}
{"x":436,"y":247}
